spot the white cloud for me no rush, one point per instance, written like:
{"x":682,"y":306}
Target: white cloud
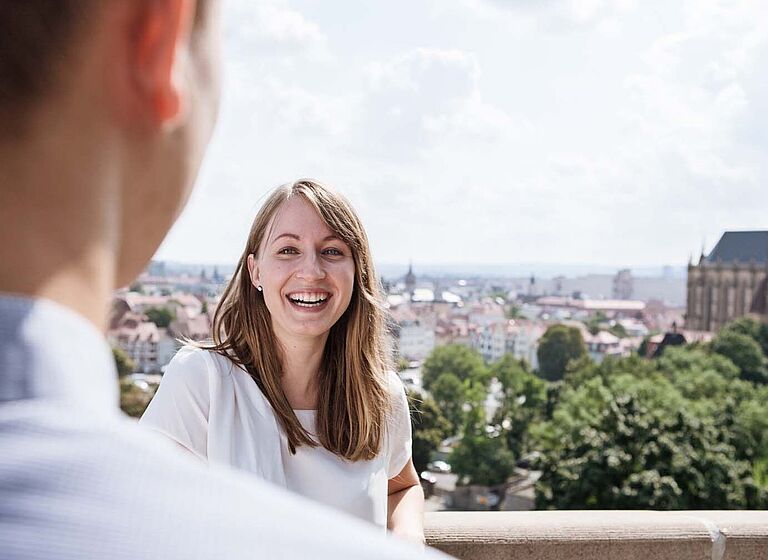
{"x":422,"y":98}
{"x":604,"y":16}
{"x":499,"y":142}
{"x":273,"y":28}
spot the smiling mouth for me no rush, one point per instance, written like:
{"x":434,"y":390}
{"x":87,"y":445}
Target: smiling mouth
{"x":309,"y":300}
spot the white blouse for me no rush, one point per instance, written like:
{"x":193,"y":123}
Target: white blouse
{"x":213,"y":408}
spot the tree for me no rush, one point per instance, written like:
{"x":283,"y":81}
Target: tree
{"x":753,"y":329}
{"x":618,"y":330}
{"x":449,"y":394}
{"x":559,"y":345}
{"x":134,"y":399}
{"x":643,"y":349}
{"x":523,"y":402}
{"x":744,"y":352}
{"x":430,"y":428}
{"x":682,"y":431}
{"x":632,"y":444}
{"x":462,"y":362}
{"x":160,"y":316}
{"x":595,"y":322}
{"x":481,"y":455}
{"x":513,"y":311}
{"x":125,"y":365}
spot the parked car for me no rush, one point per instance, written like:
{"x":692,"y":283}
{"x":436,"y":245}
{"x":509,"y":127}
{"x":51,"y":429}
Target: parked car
{"x":439,"y":466}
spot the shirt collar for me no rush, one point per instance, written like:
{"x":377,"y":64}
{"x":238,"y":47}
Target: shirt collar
{"x":48,"y":351}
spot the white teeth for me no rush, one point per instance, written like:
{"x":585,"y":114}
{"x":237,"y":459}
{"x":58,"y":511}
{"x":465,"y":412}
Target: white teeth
{"x":308,"y":299}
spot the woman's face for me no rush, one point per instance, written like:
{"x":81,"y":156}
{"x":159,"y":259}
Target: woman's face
{"x":306,"y":272}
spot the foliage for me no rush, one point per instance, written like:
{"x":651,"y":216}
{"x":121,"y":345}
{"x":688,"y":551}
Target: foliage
{"x":135,"y":398}
{"x":464,"y":363}
{"x":160,"y":316}
{"x":750,"y":425}
{"x":481,"y":455}
{"x":513,"y":311}
{"x":744,"y":352}
{"x":595,"y":322}
{"x":754,"y":329}
{"x":631,"y":443}
{"x":449,"y":392}
{"x":402,"y":364}
{"x":559,"y":345}
{"x":643,"y":349}
{"x":523,"y":402}
{"x":125,"y":365}
{"x":618,"y":330}
{"x":680,"y":432}
{"x":430,"y":428}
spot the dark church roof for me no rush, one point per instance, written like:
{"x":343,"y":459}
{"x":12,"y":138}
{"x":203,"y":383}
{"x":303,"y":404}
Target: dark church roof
{"x":670,"y":339}
{"x":741,"y":246}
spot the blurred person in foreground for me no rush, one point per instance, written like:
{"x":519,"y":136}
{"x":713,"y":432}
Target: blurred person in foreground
{"x":105,"y":110}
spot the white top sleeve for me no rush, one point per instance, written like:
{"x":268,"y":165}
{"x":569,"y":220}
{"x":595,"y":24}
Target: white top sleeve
{"x":399,"y":427}
{"x":181,"y":405}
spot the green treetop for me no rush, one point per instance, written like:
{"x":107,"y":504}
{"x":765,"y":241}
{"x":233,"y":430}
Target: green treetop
{"x":559,"y":345}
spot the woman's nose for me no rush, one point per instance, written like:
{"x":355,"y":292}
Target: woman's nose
{"x":311,"y":268}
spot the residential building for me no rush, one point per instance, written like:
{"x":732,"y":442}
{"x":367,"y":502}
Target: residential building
{"x":414,"y":334}
{"x":519,"y":338}
{"x":623,"y":284}
{"x":139,"y":338}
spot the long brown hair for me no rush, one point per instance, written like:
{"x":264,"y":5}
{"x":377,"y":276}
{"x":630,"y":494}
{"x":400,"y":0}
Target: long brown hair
{"x":353,"y":396}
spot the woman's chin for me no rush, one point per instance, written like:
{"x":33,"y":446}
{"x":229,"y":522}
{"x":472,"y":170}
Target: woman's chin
{"x":304,"y":330}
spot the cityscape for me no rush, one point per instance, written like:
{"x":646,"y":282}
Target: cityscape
{"x":505,"y":328}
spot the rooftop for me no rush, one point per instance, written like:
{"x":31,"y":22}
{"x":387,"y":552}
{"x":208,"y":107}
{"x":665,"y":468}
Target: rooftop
{"x":741,"y":247}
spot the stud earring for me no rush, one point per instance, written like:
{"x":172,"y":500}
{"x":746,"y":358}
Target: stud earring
{"x":260,"y":288}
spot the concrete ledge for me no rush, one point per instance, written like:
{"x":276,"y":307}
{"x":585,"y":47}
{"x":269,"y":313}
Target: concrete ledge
{"x":601,"y":535}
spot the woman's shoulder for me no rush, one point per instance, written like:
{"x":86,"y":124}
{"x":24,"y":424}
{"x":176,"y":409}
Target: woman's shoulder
{"x":398,"y":398}
{"x":195,"y":364}
{"x":397,"y":390}
{"x":394,"y":383}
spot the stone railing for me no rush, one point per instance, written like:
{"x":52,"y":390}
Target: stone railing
{"x":601,"y":535}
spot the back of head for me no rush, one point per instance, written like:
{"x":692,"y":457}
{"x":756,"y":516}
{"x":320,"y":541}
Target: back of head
{"x":36,"y":38}
{"x":118,"y":98}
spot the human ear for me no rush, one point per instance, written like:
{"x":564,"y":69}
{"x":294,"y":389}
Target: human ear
{"x":159,"y":57}
{"x":253,"y":271}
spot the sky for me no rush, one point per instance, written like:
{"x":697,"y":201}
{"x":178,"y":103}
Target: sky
{"x":605,"y":132}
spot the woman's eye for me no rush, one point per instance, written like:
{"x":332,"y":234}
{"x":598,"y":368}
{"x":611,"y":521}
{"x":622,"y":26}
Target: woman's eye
{"x":332,"y":252}
{"x":288,"y":251}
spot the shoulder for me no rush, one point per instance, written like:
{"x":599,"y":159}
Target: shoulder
{"x":398,"y":397}
{"x":394,"y":384}
{"x":195,"y":365}
{"x":193,"y":373}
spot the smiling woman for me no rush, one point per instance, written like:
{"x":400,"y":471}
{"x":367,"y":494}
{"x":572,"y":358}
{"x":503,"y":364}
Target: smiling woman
{"x":305,"y":272}
{"x":297,"y":385}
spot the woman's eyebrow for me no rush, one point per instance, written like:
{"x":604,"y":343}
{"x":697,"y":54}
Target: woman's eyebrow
{"x":331,"y":237}
{"x":291,"y":235}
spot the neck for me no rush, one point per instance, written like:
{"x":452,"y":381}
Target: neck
{"x":58,"y":220}
{"x":302,"y":357}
